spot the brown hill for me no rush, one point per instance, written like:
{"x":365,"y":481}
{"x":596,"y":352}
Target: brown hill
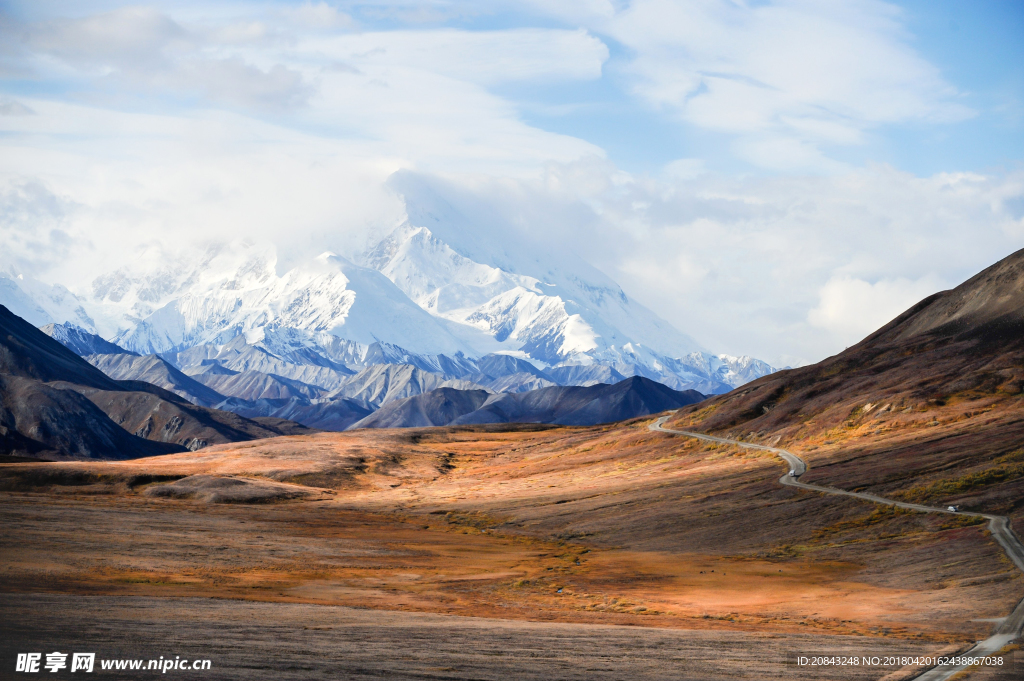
{"x":55,"y":405}
{"x":931,"y":400}
{"x":46,"y":421}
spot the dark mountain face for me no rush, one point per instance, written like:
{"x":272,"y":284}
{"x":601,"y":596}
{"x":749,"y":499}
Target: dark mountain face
{"x":42,"y":420}
{"x":562,"y":405}
{"x":988,"y":306}
{"x":54,"y":404}
{"x":584,"y":374}
{"x":337,"y":413}
{"x":963,"y":344}
{"x":636,"y":396}
{"x":28,"y":352}
{"x":156,"y":414}
{"x":433,"y":408}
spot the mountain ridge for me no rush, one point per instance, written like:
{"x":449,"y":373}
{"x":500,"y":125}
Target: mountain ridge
{"x":558,"y":405}
{"x":55,"y":404}
{"x":439,"y":289}
{"x":961,"y":342}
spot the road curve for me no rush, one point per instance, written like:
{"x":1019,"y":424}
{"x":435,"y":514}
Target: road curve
{"x":1009,"y":629}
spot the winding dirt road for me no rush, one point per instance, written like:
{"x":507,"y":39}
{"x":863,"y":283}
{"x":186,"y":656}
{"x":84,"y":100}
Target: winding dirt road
{"x":1009,"y":629}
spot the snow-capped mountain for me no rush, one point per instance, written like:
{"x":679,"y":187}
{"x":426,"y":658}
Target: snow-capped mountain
{"x":80,"y":341}
{"x":236,"y":291}
{"x":438,"y":291}
{"x":550,"y":307}
{"x":553,"y":307}
{"x":40,"y":303}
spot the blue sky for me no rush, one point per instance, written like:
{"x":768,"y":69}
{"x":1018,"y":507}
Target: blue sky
{"x":979,"y":48}
{"x":806,"y":170}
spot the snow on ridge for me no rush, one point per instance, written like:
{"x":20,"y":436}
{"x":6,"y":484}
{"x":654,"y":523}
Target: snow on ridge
{"x":435,"y":276}
{"x":436,"y":292}
{"x":40,"y":303}
{"x":328,"y":295}
{"x":552,"y":305}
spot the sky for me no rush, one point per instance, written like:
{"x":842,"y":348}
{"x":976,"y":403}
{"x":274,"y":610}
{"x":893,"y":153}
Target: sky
{"x":776,"y":179}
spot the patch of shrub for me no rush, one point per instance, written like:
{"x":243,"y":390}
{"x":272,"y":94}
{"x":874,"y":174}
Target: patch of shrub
{"x":880,"y":514}
{"x":1009,"y":467}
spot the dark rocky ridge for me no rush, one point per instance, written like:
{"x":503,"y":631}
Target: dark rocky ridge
{"x":42,"y":420}
{"x":55,"y":405}
{"x":560,"y":405}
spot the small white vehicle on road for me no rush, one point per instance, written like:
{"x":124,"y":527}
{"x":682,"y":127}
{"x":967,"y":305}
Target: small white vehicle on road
{"x":952,"y":509}
{"x":792,"y":474}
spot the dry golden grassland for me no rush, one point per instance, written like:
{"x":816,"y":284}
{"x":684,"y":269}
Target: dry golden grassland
{"x":614,"y":525}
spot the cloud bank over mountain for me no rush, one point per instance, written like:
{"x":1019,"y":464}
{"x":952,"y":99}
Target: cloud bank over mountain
{"x":729,"y":166}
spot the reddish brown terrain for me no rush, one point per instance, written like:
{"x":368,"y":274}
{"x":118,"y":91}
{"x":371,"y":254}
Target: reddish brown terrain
{"x":591,"y":552}
{"x":634,"y":528}
{"x":927,"y":409}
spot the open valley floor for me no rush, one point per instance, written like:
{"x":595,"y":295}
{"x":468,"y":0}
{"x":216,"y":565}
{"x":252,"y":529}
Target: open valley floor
{"x":483,"y":552}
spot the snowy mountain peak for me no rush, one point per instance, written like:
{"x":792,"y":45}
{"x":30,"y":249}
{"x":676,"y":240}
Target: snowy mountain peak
{"x":40,"y":303}
{"x":227,"y":292}
{"x":446,"y":286}
{"x":552,"y":306}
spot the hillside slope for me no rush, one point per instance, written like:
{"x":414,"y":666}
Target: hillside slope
{"x":80,"y":341}
{"x":41,"y":420}
{"x":54,"y":404}
{"x":929,"y":406}
{"x":156,"y":371}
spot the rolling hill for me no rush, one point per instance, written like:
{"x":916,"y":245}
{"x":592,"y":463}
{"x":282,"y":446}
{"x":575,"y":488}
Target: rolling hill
{"x":929,"y":406}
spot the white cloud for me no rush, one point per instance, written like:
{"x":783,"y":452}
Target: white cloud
{"x":359,"y":107}
{"x":422,"y":96}
{"x":135,"y":178}
{"x":852,"y":308}
{"x":784,"y":153}
{"x":685,"y":168}
{"x":233,"y":81}
{"x":791,"y":269}
{"x":139,"y":36}
{"x":790,"y":79}
{"x":481,"y":57}
{"x":283,"y":125}
{"x":318,"y":15}
{"x":143,"y":50}
{"x":804,"y":75}
{"x":11,"y":107}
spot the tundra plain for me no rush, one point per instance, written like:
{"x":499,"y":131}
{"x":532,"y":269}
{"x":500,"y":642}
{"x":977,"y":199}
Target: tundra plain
{"x":686,"y":558}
